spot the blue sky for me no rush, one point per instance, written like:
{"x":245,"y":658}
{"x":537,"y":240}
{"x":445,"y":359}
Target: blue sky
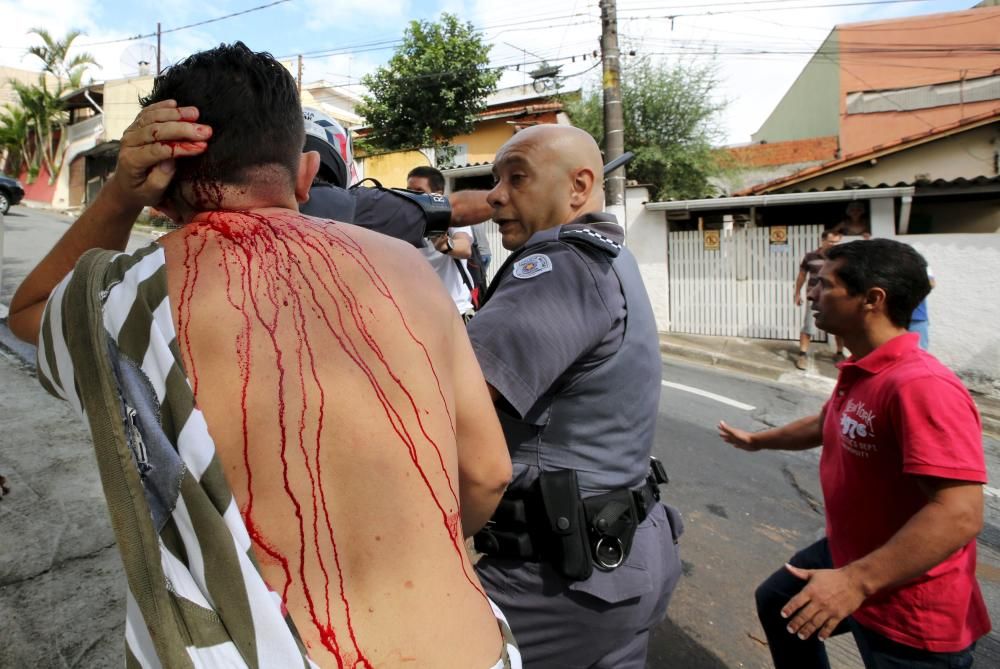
{"x":522,"y":32}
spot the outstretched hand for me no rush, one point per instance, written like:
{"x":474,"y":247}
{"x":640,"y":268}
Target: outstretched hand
{"x":741,"y":439}
{"x":160,"y":133}
{"x":830,"y":595}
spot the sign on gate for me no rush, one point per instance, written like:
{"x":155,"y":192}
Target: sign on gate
{"x":779,"y":237}
{"x":712,"y":240}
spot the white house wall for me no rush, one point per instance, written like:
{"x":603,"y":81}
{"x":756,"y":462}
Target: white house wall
{"x":968,"y":154}
{"x":121,"y":104}
{"x":646,"y":238}
{"x":80,"y":137}
{"x":964,"y":309}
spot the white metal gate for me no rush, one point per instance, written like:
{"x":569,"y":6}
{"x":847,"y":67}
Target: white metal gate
{"x":496,"y":248}
{"x":743,"y":289}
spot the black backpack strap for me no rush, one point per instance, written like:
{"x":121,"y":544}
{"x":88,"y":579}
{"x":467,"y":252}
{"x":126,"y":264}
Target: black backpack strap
{"x":378,"y":184}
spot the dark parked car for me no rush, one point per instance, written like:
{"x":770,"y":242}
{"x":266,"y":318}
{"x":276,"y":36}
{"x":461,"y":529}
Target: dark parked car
{"x":11,"y":192}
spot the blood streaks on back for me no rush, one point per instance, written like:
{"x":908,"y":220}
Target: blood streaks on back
{"x":285,"y":274}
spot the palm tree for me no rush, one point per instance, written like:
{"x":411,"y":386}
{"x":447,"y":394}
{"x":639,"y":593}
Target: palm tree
{"x":53,"y":53}
{"x":45,"y":107}
{"x":14,"y":136}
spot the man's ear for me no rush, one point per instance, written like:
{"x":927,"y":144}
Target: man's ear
{"x":582,"y":183}
{"x":308,"y":167}
{"x":172,"y":204}
{"x":875,"y":300}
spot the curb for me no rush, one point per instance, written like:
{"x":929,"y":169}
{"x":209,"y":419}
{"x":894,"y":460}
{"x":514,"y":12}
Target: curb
{"x":16,"y":350}
{"x":721,"y":360}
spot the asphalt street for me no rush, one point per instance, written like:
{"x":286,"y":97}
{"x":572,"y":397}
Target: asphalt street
{"x":745,"y":513}
{"x":28,"y":235}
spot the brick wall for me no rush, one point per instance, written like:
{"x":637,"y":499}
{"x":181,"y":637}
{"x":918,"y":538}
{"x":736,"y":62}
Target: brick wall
{"x":816,"y":149}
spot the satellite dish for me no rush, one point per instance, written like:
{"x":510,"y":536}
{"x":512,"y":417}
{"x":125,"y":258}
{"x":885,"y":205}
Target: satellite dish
{"x":138,"y":60}
{"x":545,"y":77}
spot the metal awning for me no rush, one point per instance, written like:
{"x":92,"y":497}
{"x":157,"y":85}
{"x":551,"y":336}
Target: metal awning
{"x":747,"y":201}
{"x":102,"y":149}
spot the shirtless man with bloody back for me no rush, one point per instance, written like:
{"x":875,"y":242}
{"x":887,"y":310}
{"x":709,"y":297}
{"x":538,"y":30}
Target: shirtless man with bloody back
{"x":312,"y":380}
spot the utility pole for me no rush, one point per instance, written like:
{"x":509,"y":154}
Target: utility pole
{"x":299,"y":77}
{"x":157,"y":48}
{"x":614,"y":125}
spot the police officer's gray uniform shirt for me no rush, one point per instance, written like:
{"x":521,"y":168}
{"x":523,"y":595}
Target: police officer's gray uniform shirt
{"x":568,"y":313}
{"x":555,"y":313}
{"x":370,"y":208}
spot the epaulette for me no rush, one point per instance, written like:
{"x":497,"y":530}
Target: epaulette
{"x":591,"y":238}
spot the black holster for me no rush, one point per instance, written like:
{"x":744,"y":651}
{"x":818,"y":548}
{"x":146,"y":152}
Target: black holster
{"x":567,"y":522}
{"x":612,"y":519}
{"x":551,"y":522}
{"x":509,"y":533}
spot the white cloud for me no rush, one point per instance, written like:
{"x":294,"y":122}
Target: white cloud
{"x":343,"y":17}
{"x":521,"y":32}
{"x":752,"y":83}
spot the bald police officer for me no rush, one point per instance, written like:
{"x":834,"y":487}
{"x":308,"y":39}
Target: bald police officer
{"x":580,"y":554}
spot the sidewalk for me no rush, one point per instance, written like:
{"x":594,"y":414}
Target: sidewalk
{"x":774,"y":359}
{"x":62,"y":590}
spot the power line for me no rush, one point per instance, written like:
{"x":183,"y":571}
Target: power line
{"x":386,"y":44}
{"x":178,"y":28}
{"x":227,"y":16}
{"x":856,"y":3}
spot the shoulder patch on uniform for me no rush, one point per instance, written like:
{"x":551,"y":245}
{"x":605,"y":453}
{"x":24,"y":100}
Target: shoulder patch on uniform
{"x":591,"y":238}
{"x":532,"y":266}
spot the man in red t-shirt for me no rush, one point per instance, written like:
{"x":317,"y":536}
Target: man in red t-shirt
{"x":902,"y":470}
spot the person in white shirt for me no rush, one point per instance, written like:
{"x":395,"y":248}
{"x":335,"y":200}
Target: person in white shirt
{"x":449,"y":251}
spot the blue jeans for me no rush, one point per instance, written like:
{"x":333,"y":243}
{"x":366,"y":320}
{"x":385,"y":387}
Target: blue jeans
{"x":922,"y":328}
{"x":878,"y":652}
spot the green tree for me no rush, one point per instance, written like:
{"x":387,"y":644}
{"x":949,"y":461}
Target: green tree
{"x":15,"y":131}
{"x":45,"y":116}
{"x":671,"y":123}
{"x":54,"y":54}
{"x":41,"y":109}
{"x":431,"y":89}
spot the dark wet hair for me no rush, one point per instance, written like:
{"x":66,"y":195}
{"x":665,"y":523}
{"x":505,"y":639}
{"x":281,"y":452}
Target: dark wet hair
{"x":830,"y":231}
{"x":434,"y":177}
{"x":252,"y":104}
{"x":892,"y":266}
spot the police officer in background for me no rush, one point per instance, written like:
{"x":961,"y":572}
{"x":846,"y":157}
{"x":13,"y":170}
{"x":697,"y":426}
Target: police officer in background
{"x":398,"y":213}
{"x":580,"y":554}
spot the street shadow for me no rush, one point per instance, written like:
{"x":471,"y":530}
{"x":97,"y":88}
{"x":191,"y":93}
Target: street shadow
{"x":670,"y":646}
{"x":14,"y":214}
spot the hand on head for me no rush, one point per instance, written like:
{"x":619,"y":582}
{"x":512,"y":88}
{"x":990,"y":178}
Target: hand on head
{"x":160,"y":133}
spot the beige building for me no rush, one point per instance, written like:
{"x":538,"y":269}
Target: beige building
{"x":23,"y":76}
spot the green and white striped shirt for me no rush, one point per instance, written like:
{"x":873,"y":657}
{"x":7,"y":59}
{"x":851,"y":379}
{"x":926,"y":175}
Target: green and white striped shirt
{"x":226,"y":614}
